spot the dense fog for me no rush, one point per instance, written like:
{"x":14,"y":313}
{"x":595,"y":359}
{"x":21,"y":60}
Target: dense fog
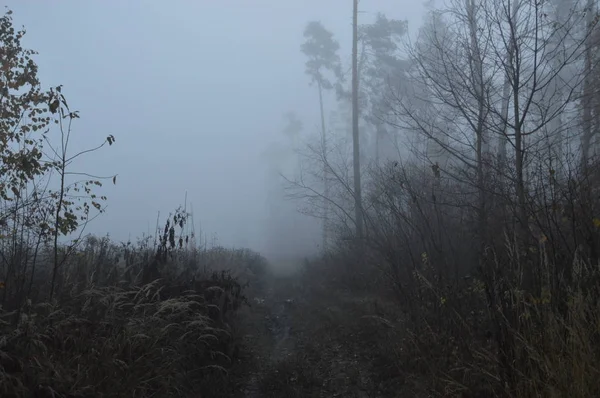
{"x":264,"y":199}
{"x":195,"y":93}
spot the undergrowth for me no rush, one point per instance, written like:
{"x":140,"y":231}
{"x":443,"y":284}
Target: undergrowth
{"x":109,"y":333}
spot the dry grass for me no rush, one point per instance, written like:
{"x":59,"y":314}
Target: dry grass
{"x":172,"y":337}
{"x":451,"y":345}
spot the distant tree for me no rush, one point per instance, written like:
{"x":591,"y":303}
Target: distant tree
{"x":293,"y":127}
{"x":382,"y":68}
{"x":321,"y":49}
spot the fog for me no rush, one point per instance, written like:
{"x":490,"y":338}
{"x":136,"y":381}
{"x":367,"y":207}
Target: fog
{"x":417,"y":218}
{"x":194,"y":93}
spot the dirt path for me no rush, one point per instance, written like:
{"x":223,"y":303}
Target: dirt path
{"x":270,"y":342}
{"x":301,"y":344}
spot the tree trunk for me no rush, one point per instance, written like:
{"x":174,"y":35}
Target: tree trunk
{"x":503,"y":139}
{"x":355,"y":136}
{"x":325,"y":171}
{"x":482,"y":146}
{"x":587,"y":89}
{"x":57,"y":223}
{"x":378,"y":138}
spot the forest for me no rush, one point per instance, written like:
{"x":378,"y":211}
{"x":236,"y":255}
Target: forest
{"x":453,"y":182}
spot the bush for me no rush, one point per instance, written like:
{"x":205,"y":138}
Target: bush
{"x":516,"y":316}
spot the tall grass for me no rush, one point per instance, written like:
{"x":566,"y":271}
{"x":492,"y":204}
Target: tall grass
{"x":110,"y":333}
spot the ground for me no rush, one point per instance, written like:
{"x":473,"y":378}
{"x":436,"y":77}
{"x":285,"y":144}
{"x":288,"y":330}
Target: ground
{"x":314,"y":343}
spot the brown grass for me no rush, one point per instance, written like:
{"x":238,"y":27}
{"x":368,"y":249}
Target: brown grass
{"x":169,"y":337}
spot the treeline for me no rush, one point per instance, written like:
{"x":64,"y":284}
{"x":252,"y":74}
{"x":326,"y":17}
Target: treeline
{"x":479,"y":172}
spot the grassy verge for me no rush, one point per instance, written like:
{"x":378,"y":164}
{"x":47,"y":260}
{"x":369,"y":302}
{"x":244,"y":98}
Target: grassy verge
{"x":172,"y":337}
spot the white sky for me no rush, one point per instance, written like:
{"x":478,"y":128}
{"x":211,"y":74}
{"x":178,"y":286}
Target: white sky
{"x":193,"y":91}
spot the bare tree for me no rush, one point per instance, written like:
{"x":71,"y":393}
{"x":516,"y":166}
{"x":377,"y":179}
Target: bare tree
{"x":488,"y":69}
{"x":540,"y":79}
{"x":304,"y":186}
{"x":587,"y":100}
{"x":448,"y":104}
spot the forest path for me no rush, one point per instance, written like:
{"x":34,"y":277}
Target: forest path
{"x":304,"y":342}
{"x":269,"y":339}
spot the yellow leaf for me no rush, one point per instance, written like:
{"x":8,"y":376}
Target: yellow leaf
{"x":596,"y":222}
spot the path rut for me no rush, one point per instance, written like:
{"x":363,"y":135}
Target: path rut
{"x":276,"y":342}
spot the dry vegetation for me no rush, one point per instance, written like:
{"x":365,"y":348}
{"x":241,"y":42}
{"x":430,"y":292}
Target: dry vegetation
{"x":481,"y":235}
{"x":422,"y":316}
{"x":82,"y":316}
{"x":116,"y":335}
{"x":472,"y":280}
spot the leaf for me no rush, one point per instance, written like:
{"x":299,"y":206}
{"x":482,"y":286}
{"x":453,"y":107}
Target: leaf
{"x":115,"y":180}
{"x":596,"y":222}
{"x":54,"y":106}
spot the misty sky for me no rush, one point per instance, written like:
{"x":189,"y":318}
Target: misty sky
{"x":193,"y":91}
